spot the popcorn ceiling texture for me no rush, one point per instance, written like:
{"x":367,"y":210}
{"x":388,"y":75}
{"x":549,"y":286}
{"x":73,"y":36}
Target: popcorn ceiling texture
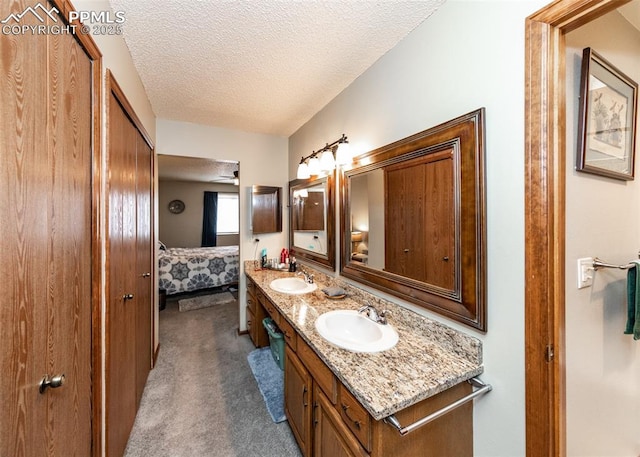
{"x":263,"y":66}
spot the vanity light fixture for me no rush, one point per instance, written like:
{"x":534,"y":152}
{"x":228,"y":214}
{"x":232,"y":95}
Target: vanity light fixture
{"x":325,"y":159}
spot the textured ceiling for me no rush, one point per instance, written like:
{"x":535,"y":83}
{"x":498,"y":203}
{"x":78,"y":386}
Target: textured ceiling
{"x":178,"y":168}
{"x":263,"y":66}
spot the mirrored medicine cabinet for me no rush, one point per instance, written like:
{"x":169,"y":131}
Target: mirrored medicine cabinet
{"x":266,"y":209}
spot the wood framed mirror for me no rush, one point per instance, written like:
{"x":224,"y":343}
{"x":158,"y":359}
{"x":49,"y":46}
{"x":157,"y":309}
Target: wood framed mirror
{"x":312,"y":220}
{"x":266,"y":209}
{"x":413,"y":220}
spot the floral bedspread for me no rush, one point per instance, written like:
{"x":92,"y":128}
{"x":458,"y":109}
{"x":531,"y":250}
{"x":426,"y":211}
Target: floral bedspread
{"x":189,"y":269}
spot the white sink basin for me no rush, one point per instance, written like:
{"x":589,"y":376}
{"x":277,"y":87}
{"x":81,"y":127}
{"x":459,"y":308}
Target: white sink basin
{"x":293,"y":286}
{"x":355,"y":332}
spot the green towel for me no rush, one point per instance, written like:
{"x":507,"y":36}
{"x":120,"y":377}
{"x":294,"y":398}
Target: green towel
{"x":633,"y":301}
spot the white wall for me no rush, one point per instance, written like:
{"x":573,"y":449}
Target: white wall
{"x":185,"y":229}
{"x":263,"y":161}
{"x":603,"y":364}
{"x":466,"y":56}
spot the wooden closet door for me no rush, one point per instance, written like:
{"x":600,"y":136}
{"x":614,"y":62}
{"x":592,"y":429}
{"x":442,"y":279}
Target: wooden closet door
{"x":129,"y":315}
{"x":121,"y":315}
{"x":46,"y":233}
{"x":144,"y":260}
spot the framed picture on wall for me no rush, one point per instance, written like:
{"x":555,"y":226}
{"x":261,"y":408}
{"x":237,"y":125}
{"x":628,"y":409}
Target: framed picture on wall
{"x":607,"y":119}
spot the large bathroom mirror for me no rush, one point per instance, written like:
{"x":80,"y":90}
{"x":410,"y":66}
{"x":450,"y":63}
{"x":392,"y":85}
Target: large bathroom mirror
{"x":312,"y":220}
{"x":266,"y":209}
{"x":413,"y":220}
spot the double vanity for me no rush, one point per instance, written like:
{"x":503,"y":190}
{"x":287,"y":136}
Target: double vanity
{"x":355,"y":387}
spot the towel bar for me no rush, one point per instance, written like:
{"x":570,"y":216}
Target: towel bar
{"x":482,"y":389}
{"x":597,"y":263}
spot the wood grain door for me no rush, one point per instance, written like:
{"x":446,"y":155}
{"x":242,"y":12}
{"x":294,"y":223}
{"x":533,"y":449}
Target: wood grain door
{"x":144,"y":259}
{"x":129,"y":310}
{"x":121,"y":310}
{"x":419,"y":216}
{"x":46,"y":232}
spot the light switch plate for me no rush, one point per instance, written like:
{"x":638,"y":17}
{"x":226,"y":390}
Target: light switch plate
{"x":585,"y":272}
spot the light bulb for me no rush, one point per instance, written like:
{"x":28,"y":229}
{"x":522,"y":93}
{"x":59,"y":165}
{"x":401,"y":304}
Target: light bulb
{"x":314,"y":166}
{"x":303,"y":171}
{"x":327,"y":163}
{"x":343,"y":154}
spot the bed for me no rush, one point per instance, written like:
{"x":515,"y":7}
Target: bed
{"x":190,"y":269}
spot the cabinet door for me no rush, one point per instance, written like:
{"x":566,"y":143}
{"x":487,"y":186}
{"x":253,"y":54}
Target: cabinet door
{"x":331,"y":436}
{"x":297,"y":400}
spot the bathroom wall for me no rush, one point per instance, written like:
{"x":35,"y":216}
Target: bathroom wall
{"x":263,"y":161}
{"x":467,"y":55}
{"x":185,"y":229}
{"x":602,"y":219}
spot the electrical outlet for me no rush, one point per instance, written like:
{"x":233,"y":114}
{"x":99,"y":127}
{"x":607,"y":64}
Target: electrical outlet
{"x":585,"y":272}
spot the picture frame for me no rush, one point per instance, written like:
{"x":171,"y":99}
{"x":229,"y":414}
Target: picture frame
{"x":607,"y":119}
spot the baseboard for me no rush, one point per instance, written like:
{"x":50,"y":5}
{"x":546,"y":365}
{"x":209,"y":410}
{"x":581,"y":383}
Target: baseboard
{"x":155,"y":355}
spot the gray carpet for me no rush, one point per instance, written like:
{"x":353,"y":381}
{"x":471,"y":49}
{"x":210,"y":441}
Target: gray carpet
{"x":202,"y":399}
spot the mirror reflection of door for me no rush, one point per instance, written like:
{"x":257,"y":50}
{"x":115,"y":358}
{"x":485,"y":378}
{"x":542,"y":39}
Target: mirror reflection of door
{"x":309,"y":218}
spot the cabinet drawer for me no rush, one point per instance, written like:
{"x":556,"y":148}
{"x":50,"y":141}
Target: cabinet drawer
{"x":271,"y":310}
{"x":251,"y":287}
{"x":355,"y":417}
{"x":250,"y":325}
{"x":251,"y":303}
{"x":289,"y":333}
{"x":320,"y":372}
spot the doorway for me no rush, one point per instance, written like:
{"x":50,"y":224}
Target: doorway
{"x":545,"y":161}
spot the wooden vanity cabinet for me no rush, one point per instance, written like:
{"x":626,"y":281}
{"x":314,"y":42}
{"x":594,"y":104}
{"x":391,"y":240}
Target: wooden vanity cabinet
{"x":328,"y":421}
{"x":297,"y":400}
{"x":255,"y":314}
{"x":338,"y":425}
{"x":332,"y":438}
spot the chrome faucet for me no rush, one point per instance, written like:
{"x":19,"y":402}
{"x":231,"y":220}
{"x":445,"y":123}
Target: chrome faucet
{"x":308,"y":278}
{"x":373,"y":314}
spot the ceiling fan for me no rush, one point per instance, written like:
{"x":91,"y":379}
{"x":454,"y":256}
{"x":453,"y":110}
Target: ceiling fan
{"x":228,"y":179}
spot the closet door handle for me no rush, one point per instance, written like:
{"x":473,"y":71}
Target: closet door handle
{"x":146,"y":275}
{"x":127,"y":297}
{"x":54,"y":382}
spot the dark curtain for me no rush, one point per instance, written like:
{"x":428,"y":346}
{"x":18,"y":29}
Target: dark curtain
{"x":210,"y":219}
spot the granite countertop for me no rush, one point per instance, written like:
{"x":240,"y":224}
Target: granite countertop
{"x":429,"y":358}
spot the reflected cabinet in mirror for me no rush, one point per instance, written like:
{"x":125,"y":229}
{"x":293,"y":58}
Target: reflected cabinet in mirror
{"x":312,"y":220}
{"x":413,"y":220}
{"x":266,"y":209}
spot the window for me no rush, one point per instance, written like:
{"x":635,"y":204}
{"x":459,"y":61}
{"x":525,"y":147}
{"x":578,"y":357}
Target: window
{"x":228,"y":214}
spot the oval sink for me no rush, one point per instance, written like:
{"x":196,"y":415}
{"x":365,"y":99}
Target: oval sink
{"x":293,"y":286}
{"x":355,"y":332}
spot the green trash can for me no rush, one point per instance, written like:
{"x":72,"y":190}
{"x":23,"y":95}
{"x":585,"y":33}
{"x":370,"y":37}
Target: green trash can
{"x":276,"y":341}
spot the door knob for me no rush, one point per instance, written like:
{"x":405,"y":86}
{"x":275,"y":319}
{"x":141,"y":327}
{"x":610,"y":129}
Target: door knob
{"x":54,"y":382}
{"x":127,"y":297}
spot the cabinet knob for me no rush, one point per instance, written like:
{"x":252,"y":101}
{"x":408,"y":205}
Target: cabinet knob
{"x":127,"y":297}
{"x":146,"y":275}
{"x":406,"y":250}
{"x":445,"y":258}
